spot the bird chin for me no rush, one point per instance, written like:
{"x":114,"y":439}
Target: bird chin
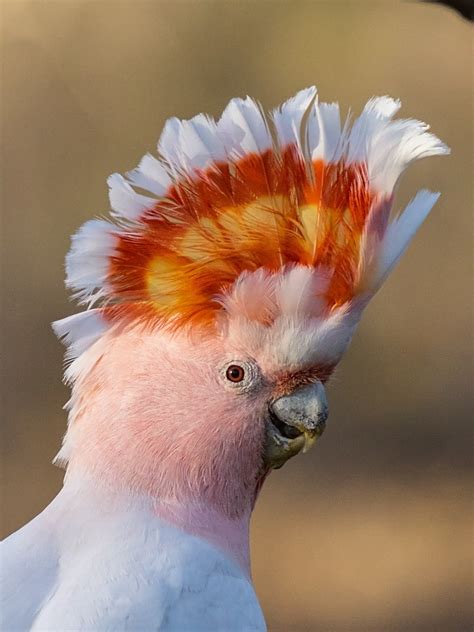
{"x":278,"y":448}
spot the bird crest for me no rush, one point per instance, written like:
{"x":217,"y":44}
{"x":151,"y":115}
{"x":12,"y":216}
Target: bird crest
{"x":250,"y":193}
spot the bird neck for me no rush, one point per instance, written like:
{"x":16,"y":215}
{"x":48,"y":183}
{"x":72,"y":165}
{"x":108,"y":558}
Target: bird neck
{"x":231,"y":535}
{"x":198,"y":519}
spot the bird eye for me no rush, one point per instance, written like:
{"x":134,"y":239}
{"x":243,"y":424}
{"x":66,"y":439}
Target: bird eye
{"x":235,"y":373}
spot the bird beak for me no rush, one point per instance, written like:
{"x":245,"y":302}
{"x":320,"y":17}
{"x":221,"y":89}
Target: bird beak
{"x":294,"y":423}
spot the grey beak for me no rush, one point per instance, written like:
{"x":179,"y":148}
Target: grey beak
{"x":294,"y":423}
{"x":304,"y":411}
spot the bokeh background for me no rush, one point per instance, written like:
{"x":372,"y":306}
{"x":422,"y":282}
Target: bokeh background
{"x":372,"y":530}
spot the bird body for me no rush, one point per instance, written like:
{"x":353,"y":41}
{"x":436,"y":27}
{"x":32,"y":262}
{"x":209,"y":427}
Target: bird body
{"x":101,"y":561}
{"x":219,"y":304}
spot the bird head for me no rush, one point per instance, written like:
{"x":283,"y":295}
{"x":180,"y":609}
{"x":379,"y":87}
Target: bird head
{"x":221,"y":301}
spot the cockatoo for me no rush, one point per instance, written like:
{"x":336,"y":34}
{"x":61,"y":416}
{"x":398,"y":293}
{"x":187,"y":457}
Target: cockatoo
{"x":222,"y":292}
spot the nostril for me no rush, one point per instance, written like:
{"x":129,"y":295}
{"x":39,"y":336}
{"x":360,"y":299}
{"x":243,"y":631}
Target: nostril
{"x":287,"y":431}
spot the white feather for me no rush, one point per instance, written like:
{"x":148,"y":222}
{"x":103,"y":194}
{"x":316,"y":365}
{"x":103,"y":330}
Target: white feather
{"x":88,"y":261}
{"x":324,"y":132}
{"x":288,"y":118}
{"x":393,"y":146}
{"x":80,"y":331}
{"x":243,"y":128}
{"x":400,"y":232}
{"x":150,"y":175}
{"x":94,"y":561}
{"x":297,"y":343}
{"x":384,"y":107}
{"x":368,"y":126}
{"x":193,"y":144}
{"x":125,"y":202}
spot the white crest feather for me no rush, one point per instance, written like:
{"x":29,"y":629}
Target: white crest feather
{"x":150,"y":175}
{"x":400,"y":232}
{"x":288,"y":118}
{"x":80,"y":331}
{"x":393,"y":146}
{"x":377,"y":112}
{"x":88,"y":261}
{"x":124,"y":201}
{"x":324,"y":132}
{"x":243,"y":128}
{"x":193,"y":144}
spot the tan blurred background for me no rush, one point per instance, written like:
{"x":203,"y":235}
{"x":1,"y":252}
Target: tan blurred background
{"x":371,"y":531}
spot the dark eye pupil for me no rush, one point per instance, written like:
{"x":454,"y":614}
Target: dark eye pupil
{"x":235,"y":373}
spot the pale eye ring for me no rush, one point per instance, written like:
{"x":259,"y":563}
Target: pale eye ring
{"x":240,"y":375}
{"x":235,"y":373}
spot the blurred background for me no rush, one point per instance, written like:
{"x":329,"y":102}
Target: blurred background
{"x":372,"y":530}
